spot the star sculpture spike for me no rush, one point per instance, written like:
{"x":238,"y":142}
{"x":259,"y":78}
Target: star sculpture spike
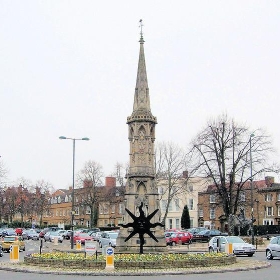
{"x":141,"y":225}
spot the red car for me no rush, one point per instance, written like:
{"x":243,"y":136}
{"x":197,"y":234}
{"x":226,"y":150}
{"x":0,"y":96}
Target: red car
{"x":19,"y":231}
{"x":179,"y":237}
{"x":82,"y":236}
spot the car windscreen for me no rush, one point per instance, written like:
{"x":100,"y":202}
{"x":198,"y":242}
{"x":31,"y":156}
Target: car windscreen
{"x":9,"y":239}
{"x":235,"y":239}
{"x":113,"y":235}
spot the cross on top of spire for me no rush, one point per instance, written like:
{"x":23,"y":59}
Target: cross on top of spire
{"x":141,"y":31}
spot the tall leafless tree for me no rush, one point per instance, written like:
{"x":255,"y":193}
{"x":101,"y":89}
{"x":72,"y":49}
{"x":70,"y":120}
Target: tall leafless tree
{"x":170,"y":163}
{"x":90,"y":178}
{"x":222,"y":151}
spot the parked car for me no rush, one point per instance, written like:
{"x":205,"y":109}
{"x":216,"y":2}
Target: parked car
{"x":9,"y":232}
{"x":195,"y":230}
{"x":32,"y":234}
{"x":82,"y":237}
{"x":273,"y":248}
{"x":67,"y":234}
{"x":179,"y":237}
{"x":240,"y":247}
{"x":19,"y":231}
{"x":108,"y":239}
{"x":49,"y":236}
{"x":12,"y":240}
{"x":54,"y":235}
{"x":206,"y":235}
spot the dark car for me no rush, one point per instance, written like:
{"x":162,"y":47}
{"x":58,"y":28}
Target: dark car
{"x":206,"y":235}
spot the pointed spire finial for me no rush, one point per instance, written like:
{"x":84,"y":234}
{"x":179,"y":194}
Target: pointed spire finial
{"x":141,"y":31}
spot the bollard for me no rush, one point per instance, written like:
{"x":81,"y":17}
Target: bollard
{"x":14,"y":253}
{"x":109,"y":258}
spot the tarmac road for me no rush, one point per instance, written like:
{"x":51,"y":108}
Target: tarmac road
{"x":272,"y":272}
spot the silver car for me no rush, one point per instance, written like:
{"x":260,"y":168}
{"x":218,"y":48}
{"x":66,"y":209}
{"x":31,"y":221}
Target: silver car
{"x":108,"y":239}
{"x":239,"y":246}
{"x":273,"y":248}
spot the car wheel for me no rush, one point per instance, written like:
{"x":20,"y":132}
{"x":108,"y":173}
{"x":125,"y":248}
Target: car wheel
{"x":173,"y":243}
{"x":269,"y":255}
{"x":23,"y":249}
{"x":250,"y":255}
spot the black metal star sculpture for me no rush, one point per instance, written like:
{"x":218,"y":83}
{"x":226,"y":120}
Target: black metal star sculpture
{"x":141,"y":225}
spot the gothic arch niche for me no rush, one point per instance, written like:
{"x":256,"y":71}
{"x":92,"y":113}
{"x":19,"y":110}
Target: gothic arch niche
{"x":131,"y":132}
{"x":141,"y":189}
{"x":152,"y":132}
{"x":141,"y":131}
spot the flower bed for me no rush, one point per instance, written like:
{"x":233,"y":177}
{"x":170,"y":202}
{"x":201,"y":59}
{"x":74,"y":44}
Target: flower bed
{"x":131,"y":261}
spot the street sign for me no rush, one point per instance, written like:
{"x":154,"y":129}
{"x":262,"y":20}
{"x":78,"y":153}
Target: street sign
{"x":110,"y":251}
{"x":90,"y":247}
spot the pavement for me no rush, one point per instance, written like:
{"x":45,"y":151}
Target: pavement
{"x":242,"y":264}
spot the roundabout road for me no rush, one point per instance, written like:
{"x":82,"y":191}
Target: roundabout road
{"x":271,"y":272}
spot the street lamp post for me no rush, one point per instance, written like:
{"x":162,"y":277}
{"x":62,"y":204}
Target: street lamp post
{"x":252,"y":197}
{"x":73,"y":185}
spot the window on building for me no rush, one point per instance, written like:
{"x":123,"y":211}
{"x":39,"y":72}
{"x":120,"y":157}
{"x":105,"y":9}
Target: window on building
{"x":278,"y":211}
{"x":190,"y":206}
{"x":200,"y":213}
{"x":163,"y":205}
{"x":66,"y":198}
{"x":177,"y":206}
{"x":268,"y":222}
{"x":121,"y":209}
{"x":190,"y":188}
{"x":60,"y":213}
{"x":212,"y":198}
{"x":160,"y":190}
{"x":242,"y":196}
{"x":269,"y":211}
{"x":113,"y":208}
{"x":268,"y":197}
{"x":76,"y":210}
{"x":88,"y":210}
{"x":191,"y":223}
{"x":170,"y":223}
{"x":278,"y":197}
{"x":177,"y":221}
{"x":106,"y":208}
{"x":170,"y":207}
{"x":212,"y":213}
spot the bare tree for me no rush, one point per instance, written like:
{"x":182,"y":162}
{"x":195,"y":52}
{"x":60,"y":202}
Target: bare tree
{"x":3,"y":174}
{"x":39,"y":196}
{"x":120,"y":172}
{"x":222,"y":152}
{"x":90,"y":177}
{"x":170,"y":163}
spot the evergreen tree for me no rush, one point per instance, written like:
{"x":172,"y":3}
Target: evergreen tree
{"x":185,"y":219}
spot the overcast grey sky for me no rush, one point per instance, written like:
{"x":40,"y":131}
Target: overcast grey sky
{"x":69,"y":68}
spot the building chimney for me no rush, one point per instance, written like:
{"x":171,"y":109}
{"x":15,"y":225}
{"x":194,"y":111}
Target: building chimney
{"x":269,"y":180}
{"x":185,"y":174}
{"x":110,"y":182}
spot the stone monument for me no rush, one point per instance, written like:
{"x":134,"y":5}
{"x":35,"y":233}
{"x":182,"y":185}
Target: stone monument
{"x":141,"y":190}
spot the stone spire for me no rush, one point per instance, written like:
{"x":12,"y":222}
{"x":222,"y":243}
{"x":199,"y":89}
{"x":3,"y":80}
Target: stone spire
{"x":141,"y":97}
